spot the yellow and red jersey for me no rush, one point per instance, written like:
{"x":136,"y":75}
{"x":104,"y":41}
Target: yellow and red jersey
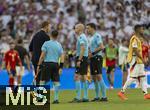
{"x":145,"y":50}
{"x":135,"y":42}
{"x":11,"y":59}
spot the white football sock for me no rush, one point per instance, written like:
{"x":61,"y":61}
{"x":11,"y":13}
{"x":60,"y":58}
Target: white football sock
{"x":128,"y":83}
{"x":143,"y":85}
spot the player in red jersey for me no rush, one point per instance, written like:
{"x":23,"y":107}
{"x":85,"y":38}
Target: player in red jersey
{"x":11,"y":59}
{"x":145,"y":50}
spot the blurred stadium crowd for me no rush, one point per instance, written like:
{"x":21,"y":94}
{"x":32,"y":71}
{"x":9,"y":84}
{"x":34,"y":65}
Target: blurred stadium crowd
{"x":114,"y":19}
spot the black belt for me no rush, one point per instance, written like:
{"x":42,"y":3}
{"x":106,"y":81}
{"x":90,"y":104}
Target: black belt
{"x":83,"y":57}
{"x":134,"y":55}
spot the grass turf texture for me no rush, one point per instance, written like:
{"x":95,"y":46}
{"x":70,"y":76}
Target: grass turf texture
{"x":135,"y":101}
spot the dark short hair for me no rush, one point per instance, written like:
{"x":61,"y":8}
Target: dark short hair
{"x":20,"y":41}
{"x":44,"y":24}
{"x":54,"y":33}
{"x":113,"y":27}
{"x":136,"y":27}
{"x":92,"y":25}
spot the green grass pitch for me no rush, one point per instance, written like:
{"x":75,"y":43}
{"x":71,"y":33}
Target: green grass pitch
{"x":135,"y":101}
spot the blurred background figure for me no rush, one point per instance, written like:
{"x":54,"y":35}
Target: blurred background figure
{"x":111,"y":52}
{"x":22,"y":18}
{"x":123,"y":52}
{"x":24,"y":56}
{"x":11,"y":59}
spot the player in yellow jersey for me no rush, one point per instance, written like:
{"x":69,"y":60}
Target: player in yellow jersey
{"x":136,"y":63}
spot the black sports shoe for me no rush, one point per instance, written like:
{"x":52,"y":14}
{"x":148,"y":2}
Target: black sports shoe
{"x":95,"y":99}
{"x":85,"y":100}
{"x":55,"y":102}
{"x":75,"y":100}
{"x":104,"y":99}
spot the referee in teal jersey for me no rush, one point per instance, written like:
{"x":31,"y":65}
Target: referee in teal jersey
{"x":52,"y":51}
{"x":81,"y":64}
{"x":96,"y":61}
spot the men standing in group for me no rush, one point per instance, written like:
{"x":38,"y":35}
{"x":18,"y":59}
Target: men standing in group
{"x":96,"y":61}
{"x":81,"y":64}
{"x":136,"y":62}
{"x":36,"y":43}
{"x":49,"y":59}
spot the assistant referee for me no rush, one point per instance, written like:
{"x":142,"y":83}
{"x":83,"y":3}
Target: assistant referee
{"x":52,"y":51}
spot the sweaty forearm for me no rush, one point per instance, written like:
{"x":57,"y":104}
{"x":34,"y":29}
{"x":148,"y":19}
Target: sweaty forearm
{"x":19,"y":62}
{"x":62,"y":58}
{"x":28,"y":61}
{"x":31,"y":54}
{"x":81,"y":53}
{"x":40,"y":60}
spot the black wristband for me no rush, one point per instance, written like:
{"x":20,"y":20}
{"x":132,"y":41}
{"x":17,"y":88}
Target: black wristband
{"x":94,"y":53}
{"x":61,"y":65}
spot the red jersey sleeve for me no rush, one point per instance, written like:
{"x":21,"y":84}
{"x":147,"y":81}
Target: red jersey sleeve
{"x":6,"y":60}
{"x":5,"y":57}
{"x":145,"y":51}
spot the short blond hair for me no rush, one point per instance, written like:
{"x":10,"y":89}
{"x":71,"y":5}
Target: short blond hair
{"x":44,"y":24}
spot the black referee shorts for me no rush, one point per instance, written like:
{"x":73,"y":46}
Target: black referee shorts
{"x":82,"y":70}
{"x":50,"y":71}
{"x":96,"y":64}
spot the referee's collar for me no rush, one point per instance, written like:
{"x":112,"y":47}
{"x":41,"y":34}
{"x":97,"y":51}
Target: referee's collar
{"x":81,"y":35}
{"x":53,"y":39}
